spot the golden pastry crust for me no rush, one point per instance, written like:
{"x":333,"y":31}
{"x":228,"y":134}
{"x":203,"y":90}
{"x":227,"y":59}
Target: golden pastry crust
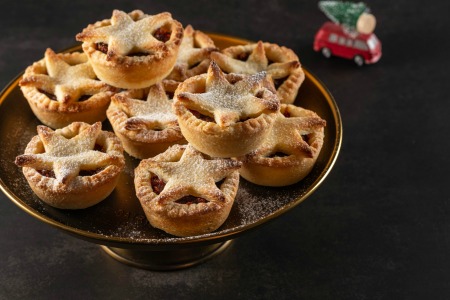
{"x":65,"y":169}
{"x":134,"y":50}
{"x":209,"y":183}
{"x":144,"y":122}
{"x":290,"y":151}
{"x":63,"y":88}
{"x":193,"y":56}
{"x":281,"y":63}
{"x":226,"y":115}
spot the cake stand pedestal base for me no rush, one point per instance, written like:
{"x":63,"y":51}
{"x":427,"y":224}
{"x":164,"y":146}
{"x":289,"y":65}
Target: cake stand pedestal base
{"x":166,"y":260}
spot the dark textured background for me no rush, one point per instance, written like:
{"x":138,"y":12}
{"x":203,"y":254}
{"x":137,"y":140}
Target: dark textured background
{"x":377,"y":228}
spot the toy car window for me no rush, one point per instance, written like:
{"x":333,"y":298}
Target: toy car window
{"x":332,"y":38}
{"x":349,"y":43}
{"x":372,"y":42}
{"x":341,"y":40}
{"x":360,"y":45}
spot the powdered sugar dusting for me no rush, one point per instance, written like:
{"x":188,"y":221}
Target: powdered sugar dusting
{"x":155,"y":112}
{"x":229,"y":102}
{"x":192,"y":173}
{"x":120,"y":216}
{"x":251,"y":207}
{"x":67,"y":82}
{"x":155,"y":118}
{"x":154,"y":109}
{"x":125,"y":35}
{"x":66,"y":156}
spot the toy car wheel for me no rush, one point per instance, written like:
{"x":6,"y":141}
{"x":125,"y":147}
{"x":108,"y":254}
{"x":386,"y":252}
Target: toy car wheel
{"x":359,"y":61}
{"x":326,"y":52}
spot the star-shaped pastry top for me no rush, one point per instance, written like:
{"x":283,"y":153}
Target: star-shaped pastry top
{"x":154,"y":113}
{"x":228,"y":102}
{"x":190,"y":53}
{"x":286,"y":135}
{"x":67,"y":156}
{"x":67,"y":81}
{"x":125,"y":35}
{"x":195,"y":48}
{"x":192,"y":175}
{"x":256,"y":61}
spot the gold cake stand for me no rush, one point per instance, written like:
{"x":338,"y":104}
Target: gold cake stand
{"x":118,"y":223}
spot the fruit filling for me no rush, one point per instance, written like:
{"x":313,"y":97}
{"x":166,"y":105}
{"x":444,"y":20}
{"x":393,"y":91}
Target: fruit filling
{"x":47,"y":173}
{"x":170,"y":94}
{"x":89,"y":172}
{"x":99,"y":147}
{"x":201,"y":116}
{"x":158,"y":186}
{"x":162,"y":34}
{"x":191,"y":200}
{"x":49,"y":95}
{"x":53,"y":97}
{"x":287,"y":114}
{"x":243,"y":56}
{"x":279,"y":81}
{"x":194,"y":65}
{"x":102,"y":47}
{"x":138,"y":54}
{"x":205,"y":118}
{"x":277,"y":154}
{"x":84,"y":98}
{"x":51,"y":174}
{"x":305,"y":137}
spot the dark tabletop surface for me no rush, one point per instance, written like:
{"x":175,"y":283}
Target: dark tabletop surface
{"x":377,"y":228}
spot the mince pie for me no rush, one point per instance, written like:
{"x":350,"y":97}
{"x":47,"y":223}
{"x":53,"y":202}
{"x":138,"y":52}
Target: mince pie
{"x":144,"y":121}
{"x":193,"y":56}
{"x":63,"y":88}
{"x":226,"y":115}
{"x":185,"y":192}
{"x":73,"y":167}
{"x":281,"y":63}
{"x":289,"y":152}
{"x":132,"y":50}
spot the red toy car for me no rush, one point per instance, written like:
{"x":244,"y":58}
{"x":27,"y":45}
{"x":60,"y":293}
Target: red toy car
{"x":333,"y":39}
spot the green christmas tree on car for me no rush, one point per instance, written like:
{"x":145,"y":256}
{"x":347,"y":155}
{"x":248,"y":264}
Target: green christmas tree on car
{"x":349,"y":34}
